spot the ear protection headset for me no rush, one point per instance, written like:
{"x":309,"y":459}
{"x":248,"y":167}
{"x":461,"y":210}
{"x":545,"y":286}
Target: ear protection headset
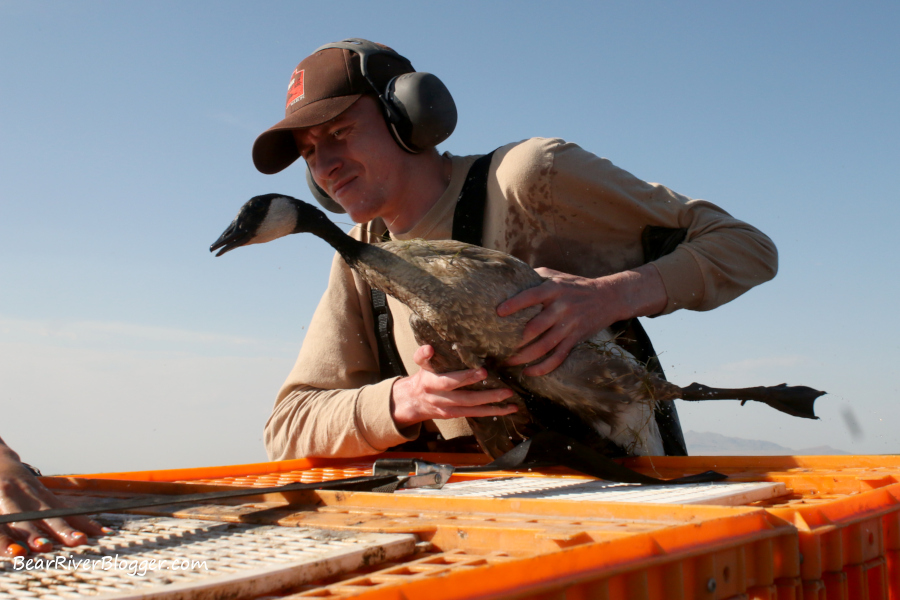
{"x":417,"y":107}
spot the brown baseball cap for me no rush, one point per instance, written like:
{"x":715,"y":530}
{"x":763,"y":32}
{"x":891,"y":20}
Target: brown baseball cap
{"x":323,"y":85}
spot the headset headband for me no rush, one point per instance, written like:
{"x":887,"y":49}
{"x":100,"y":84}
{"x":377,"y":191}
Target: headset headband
{"x":365,"y":49}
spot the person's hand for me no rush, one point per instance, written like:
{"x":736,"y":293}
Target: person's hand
{"x":21,"y":491}
{"x":429,"y":395}
{"x":576,"y":308}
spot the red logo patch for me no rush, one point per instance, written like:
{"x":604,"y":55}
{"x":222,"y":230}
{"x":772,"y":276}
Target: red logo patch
{"x":295,"y":88}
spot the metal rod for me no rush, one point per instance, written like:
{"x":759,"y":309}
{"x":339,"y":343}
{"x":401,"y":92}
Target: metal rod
{"x":365,"y":483}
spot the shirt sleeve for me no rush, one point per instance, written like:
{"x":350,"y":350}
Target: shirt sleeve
{"x":721,"y":257}
{"x":332,"y":403}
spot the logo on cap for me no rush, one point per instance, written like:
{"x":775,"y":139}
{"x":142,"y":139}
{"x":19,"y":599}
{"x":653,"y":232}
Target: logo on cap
{"x":295,"y":88}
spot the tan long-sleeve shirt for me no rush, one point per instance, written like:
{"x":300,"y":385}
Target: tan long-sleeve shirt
{"x":551,"y":204}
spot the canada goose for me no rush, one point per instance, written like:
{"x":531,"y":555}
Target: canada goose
{"x":453,"y":290}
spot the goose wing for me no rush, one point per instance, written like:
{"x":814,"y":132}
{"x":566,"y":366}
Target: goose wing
{"x":474,"y":281}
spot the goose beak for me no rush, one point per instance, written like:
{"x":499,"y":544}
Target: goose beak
{"x":233,"y":237}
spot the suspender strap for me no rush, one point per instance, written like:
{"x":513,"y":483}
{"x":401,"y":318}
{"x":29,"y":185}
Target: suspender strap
{"x":631,"y":336}
{"x":468,"y":219}
{"x":388,"y":358}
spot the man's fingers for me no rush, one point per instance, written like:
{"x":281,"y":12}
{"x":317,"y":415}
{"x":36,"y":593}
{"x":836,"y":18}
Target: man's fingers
{"x":547,"y":273}
{"x":487,"y":410}
{"x":530,"y":297}
{"x":545,"y":321}
{"x":541,"y":346}
{"x":422,"y":357}
{"x":467,"y":403}
{"x":446,"y":382}
{"x":556,"y":358}
{"x":470,"y":398}
{"x":478,"y":404}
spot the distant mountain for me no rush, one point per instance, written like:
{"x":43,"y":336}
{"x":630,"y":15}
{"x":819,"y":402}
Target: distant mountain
{"x":707,"y":443}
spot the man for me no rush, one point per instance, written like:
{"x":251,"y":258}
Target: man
{"x":575,"y":217}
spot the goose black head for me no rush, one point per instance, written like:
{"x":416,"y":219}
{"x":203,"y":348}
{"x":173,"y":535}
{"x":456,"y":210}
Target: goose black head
{"x":266,"y":218}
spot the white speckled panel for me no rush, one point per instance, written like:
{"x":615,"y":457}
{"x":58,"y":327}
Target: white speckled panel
{"x":240,"y":560}
{"x":558,"y":488}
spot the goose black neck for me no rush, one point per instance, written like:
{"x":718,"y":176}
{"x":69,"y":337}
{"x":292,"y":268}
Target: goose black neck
{"x":314,"y":221}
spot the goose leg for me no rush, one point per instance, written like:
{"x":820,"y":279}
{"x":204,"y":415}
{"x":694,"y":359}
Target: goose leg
{"x":794,"y":400}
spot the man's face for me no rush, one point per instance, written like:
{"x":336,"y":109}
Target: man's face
{"x":356,"y":161}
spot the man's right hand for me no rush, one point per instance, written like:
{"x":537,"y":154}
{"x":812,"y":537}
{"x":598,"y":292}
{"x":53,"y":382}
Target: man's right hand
{"x":429,"y":395}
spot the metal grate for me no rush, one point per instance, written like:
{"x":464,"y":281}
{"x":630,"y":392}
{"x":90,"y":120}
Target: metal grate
{"x":557,"y":488}
{"x":202,"y":560}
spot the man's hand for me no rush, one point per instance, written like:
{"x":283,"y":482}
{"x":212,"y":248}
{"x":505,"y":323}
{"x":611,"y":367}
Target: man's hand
{"x":20,"y":491}
{"x":576,"y":308}
{"x":428,"y":395}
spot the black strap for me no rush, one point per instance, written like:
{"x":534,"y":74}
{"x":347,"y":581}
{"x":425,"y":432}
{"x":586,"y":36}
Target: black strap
{"x":631,"y":336}
{"x":388,"y":358}
{"x":658,"y":241}
{"x":468,"y":218}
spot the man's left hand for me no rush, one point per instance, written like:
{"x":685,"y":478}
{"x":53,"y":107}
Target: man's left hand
{"x":576,"y":308}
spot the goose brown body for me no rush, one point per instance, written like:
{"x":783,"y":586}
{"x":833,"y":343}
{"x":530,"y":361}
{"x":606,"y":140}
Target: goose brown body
{"x":455,"y":288}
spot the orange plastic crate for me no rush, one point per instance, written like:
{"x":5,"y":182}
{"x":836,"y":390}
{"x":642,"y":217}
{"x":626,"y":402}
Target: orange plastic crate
{"x":810,"y":479}
{"x":846,"y":509}
{"x":488,"y":547}
{"x":850,"y":544}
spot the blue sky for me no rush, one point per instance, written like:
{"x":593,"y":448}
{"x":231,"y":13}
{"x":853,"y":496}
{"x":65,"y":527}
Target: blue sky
{"x":125,"y":136}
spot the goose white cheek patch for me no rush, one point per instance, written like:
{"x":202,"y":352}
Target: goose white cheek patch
{"x":280,"y":221}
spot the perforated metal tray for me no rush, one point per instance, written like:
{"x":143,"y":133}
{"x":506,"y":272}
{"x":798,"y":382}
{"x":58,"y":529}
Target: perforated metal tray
{"x":202,"y":560}
{"x":558,"y":488}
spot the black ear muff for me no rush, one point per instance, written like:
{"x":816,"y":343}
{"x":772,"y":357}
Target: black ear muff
{"x":426,"y":109}
{"x":319,"y":194}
